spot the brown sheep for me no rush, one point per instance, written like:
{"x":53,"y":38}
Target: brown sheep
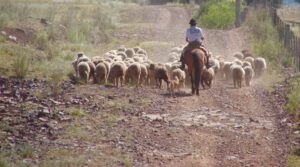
{"x":133,"y":74}
{"x":159,"y":73}
{"x":238,"y":75}
{"x":83,"y":69}
{"x":207,"y":77}
{"x":117,"y":73}
{"x":129,"y":52}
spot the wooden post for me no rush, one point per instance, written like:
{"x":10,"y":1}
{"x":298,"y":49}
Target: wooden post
{"x":237,"y":13}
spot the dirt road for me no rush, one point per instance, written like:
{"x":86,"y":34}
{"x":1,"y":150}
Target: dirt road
{"x":221,"y":127}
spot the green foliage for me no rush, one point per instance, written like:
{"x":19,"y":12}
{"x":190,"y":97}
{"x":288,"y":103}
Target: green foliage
{"x":42,"y":40}
{"x":21,"y":63}
{"x":293,"y":105}
{"x":218,"y":14}
{"x":10,"y":11}
{"x":266,"y":41}
{"x":294,"y":158}
{"x":25,"y":151}
{"x":76,"y":112}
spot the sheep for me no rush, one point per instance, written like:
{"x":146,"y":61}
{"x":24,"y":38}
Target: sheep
{"x":129,"y":52}
{"x":238,"y":75}
{"x":249,"y":74}
{"x":250,"y":60}
{"x":133,"y":73}
{"x":143,"y":52}
{"x":122,"y":55}
{"x":246,"y":53}
{"x":144,"y":74}
{"x":92,"y":70}
{"x":83,"y":69}
{"x":117,"y":73}
{"x":215,"y":64}
{"x":259,"y":65}
{"x":238,"y":55}
{"x":207,"y":77}
{"x":136,"y":49}
{"x":159,"y":72}
{"x":238,"y":62}
{"x":178,"y":73}
{"x":174,"y":84}
{"x":226,"y":70}
{"x":177,"y":50}
{"x":246,"y":63}
{"x":121,"y":49}
{"x":168,"y":67}
{"x":101,"y":73}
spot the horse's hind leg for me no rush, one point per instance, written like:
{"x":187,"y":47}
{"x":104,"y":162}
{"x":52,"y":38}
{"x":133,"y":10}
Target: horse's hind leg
{"x":193,"y":85}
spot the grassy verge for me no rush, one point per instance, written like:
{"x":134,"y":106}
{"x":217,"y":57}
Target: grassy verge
{"x":265,"y":38}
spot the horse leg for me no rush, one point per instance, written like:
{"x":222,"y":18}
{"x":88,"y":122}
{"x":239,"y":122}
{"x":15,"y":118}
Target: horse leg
{"x":193,"y":84}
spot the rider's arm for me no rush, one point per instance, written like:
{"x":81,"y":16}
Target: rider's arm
{"x":186,"y":39}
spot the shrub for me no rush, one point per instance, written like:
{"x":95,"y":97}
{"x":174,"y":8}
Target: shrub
{"x":218,"y":14}
{"x":25,"y":151}
{"x":265,"y":37}
{"x":293,"y":105}
{"x":21,"y":63}
{"x":42,"y":40}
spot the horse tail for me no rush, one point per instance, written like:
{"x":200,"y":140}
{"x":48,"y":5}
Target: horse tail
{"x":197,"y":69}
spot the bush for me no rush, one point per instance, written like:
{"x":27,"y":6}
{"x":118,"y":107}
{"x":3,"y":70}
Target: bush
{"x":265,"y":37}
{"x":218,"y":14}
{"x":293,"y":105}
{"x":21,"y":64}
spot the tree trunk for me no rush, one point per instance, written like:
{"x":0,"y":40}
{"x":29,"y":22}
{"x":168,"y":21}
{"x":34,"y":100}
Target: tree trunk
{"x":237,"y":13}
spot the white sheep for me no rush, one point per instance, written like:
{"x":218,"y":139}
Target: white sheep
{"x":144,"y":74}
{"x":238,"y":75}
{"x":250,"y":60}
{"x":207,"y":77}
{"x":101,"y":73}
{"x":178,"y":73}
{"x":259,"y":65}
{"x":238,"y":55}
{"x":83,"y":69}
{"x":249,"y":74}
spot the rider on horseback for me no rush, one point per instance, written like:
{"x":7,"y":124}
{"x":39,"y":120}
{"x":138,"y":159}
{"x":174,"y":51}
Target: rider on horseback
{"x":195,"y":38}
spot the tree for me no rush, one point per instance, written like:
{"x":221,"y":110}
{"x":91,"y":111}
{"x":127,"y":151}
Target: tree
{"x":237,"y":13}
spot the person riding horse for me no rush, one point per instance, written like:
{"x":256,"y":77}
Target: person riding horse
{"x":195,"y":38}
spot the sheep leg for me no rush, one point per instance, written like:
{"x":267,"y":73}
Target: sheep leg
{"x":160,"y":83}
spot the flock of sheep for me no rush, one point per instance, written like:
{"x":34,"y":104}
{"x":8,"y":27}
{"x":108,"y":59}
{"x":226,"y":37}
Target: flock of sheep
{"x":132,"y":65}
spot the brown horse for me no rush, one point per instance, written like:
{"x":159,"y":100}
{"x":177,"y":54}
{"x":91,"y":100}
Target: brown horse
{"x":195,"y":60}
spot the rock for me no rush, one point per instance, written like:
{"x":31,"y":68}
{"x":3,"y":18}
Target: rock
{"x":153,"y":117}
{"x":131,"y":101}
{"x":43,"y":119}
{"x":55,"y":102}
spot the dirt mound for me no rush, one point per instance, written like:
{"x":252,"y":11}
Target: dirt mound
{"x":18,"y":35}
